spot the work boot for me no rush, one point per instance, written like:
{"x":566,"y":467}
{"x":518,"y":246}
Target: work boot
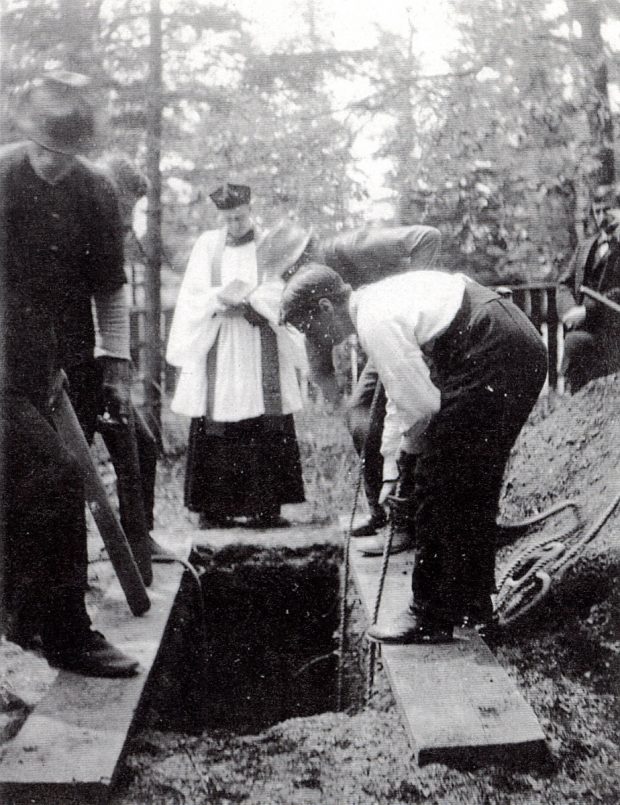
{"x":481,"y":617}
{"x":371,"y":526}
{"x":409,"y":628}
{"x":92,"y":655}
{"x":402,"y":537}
{"x":401,"y":541}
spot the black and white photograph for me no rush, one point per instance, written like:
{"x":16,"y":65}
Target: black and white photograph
{"x":309,"y":402}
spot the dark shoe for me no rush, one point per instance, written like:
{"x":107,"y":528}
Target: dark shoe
{"x":369,"y":527}
{"x":92,"y":656}
{"x":479,"y":612}
{"x":27,"y":639}
{"x":206,"y":521}
{"x":268,"y":521}
{"x":401,"y":541}
{"x":409,"y":628}
{"x":485,"y":622}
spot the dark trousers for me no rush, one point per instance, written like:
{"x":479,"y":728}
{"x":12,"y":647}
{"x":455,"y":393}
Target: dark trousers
{"x":588,"y":355}
{"x":366,"y":426}
{"x":44,"y":529}
{"x":85,"y":392}
{"x":490,"y":367}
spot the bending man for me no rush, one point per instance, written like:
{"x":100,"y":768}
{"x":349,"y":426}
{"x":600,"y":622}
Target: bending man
{"x":462,"y":369}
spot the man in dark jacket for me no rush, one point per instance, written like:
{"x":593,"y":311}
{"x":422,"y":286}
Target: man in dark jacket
{"x":62,"y":249}
{"x":592,"y":342}
{"x":361,"y":257}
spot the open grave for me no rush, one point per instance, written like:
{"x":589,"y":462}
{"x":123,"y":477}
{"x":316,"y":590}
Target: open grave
{"x":251,"y":713}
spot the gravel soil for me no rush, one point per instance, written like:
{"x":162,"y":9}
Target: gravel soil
{"x":564,"y":656}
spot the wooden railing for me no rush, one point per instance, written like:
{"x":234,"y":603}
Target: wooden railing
{"x":538,"y":302}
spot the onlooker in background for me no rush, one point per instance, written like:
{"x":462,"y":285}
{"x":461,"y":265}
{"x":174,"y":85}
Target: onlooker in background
{"x":592,"y":341}
{"x":238,"y":378}
{"x":362,"y":257}
{"x":61,"y":248}
{"x":462,"y":369}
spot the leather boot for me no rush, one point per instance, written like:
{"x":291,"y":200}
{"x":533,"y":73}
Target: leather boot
{"x":369,"y":527}
{"x":401,"y":541}
{"x":409,"y":628}
{"x":92,"y":655}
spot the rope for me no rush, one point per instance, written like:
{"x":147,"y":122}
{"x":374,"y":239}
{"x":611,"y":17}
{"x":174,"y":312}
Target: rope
{"x":528,"y":578}
{"x":385,"y":561}
{"x":537,"y":518}
{"x":342,"y":641}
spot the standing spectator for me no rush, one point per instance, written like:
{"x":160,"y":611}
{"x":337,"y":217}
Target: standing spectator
{"x":238,"y":377}
{"x":131,"y":186}
{"x":592,"y":342}
{"x":462,"y":369}
{"x":61,"y":248}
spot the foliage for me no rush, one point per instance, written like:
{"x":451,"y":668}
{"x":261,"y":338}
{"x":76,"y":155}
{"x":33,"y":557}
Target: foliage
{"x":229,"y":111}
{"x":499,"y":151}
{"x":518,"y":141}
{"x":501,"y":148}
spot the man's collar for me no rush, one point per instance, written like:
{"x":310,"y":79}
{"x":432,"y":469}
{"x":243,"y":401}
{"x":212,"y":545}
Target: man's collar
{"x":247,"y":238}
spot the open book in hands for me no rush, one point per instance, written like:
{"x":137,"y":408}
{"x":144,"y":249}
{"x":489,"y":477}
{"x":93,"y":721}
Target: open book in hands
{"x":234,"y":293}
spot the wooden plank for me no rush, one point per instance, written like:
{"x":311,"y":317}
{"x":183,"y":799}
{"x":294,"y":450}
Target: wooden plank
{"x":458,"y":703}
{"x":69,"y":747}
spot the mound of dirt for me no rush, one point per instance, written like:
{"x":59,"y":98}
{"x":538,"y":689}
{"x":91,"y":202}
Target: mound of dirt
{"x":574,"y":452}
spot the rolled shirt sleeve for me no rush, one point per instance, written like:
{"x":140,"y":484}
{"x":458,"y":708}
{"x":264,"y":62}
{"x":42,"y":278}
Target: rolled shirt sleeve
{"x":413,"y":399}
{"x":394,"y":319}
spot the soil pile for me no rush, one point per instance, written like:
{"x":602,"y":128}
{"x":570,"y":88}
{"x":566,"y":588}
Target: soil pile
{"x":572,"y":452}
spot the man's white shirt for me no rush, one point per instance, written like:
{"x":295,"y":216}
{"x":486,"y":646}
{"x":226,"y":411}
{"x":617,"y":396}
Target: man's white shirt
{"x":394,"y":319}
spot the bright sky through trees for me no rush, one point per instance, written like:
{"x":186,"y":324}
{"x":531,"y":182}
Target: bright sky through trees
{"x":351,"y":24}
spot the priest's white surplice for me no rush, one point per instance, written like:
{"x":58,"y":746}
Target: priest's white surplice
{"x":198,"y":322}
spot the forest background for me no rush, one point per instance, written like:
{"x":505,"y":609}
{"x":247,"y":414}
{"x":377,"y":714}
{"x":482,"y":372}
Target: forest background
{"x":498,"y":148}
{"x":495,"y":128}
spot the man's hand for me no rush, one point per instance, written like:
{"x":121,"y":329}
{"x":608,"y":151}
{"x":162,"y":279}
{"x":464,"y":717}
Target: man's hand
{"x":575,"y":317}
{"x":388,"y":488}
{"x":116,"y":389}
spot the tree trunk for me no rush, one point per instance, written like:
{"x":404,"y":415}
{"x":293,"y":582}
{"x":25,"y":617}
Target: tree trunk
{"x":592,"y":52}
{"x":153,"y":246}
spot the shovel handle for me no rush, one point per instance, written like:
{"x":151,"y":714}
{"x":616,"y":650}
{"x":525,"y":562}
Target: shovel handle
{"x":123,"y":562}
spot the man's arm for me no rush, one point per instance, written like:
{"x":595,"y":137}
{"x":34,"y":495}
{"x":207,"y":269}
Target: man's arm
{"x":321,"y":364}
{"x":112,"y":314}
{"x":568,"y":300}
{"x":413,"y":399}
